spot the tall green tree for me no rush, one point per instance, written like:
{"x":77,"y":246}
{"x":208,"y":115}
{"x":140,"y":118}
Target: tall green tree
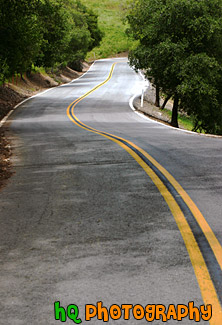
{"x":84,"y":32}
{"x":201,"y":92}
{"x":20,"y":35}
{"x":92,"y":23}
{"x":45,"y":33}
{"x":69,"y":30}
{"x":55,"y":27}
{"x":175,"y":36}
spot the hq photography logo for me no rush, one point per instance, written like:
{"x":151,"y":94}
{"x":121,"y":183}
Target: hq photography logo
{"x":129,"y":311}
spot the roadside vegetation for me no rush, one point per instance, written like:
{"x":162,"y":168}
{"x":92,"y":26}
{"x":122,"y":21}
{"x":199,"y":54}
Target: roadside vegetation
{"x":111,"y":20}
{"x":176,"y":42}
{"x":45,"y":33}
{"x":185,"y":121}
{"x":180,"y":49}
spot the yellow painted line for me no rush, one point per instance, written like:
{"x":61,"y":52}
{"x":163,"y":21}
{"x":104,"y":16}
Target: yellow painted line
{"x":212,"y":240}
{"x":202,"y":274}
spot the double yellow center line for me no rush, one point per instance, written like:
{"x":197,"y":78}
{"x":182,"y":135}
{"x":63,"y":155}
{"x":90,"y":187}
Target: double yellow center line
{"x":188,"y":217}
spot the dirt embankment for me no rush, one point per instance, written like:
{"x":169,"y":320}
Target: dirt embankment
{"x":16,"y":91}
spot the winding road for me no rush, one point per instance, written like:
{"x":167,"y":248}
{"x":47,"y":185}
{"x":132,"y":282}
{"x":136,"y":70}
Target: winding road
{"x":107,"y":205}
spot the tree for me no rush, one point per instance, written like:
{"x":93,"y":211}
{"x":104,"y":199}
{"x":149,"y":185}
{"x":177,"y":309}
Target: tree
{"x":55,"y":27}
{"x":45,"y":33}
{"x":70,"y":30}
{"x":171,"y":34}
{"x":92,"y":22}
{"x":84,"y":33}
{"x":201,"y":92}
{"x":20,"y":34}
{"x":3,"y":70}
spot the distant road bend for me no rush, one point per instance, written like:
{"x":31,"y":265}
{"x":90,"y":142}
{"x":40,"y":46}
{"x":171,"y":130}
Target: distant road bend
{"x":108,"y":206}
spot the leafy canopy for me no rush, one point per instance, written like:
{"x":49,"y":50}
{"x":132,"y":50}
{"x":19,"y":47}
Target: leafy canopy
{"x":180,"y":45}
{"x":45,"y":33}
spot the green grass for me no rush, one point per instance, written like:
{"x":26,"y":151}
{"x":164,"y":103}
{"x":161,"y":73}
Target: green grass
{"x":184,"y":121}
{"x":110,"y":17}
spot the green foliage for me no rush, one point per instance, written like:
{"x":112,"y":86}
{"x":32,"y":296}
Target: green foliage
{"x":3,"y":70}
{"x":201,"y":92}
{"x":183,"y":120}
{"x":92,"y":22}
{"x":180,"y":45}
{"x":53,"y":23}
{"x":84,"y":33}
{"x":45,"y":32}
{"x":111,"y":14}
{"x":70,"y":30}
{"x":19,"y":33}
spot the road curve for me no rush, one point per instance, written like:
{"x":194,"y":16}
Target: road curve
{"x":107,"y":206}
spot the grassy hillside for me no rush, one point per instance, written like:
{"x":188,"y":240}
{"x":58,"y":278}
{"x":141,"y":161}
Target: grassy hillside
{"x":111,"y":14}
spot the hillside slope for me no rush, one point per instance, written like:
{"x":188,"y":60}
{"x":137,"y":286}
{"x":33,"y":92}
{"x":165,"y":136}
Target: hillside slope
{"x":110,"y":16}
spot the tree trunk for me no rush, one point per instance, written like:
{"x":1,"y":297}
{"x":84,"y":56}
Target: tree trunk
{"x":165,"y":102}
{"x":174,"y":120}
{"x":21,"y":74}
{"x":157,"y":102}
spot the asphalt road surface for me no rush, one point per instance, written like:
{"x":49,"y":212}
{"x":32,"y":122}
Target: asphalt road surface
{"x":105,"y":205}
